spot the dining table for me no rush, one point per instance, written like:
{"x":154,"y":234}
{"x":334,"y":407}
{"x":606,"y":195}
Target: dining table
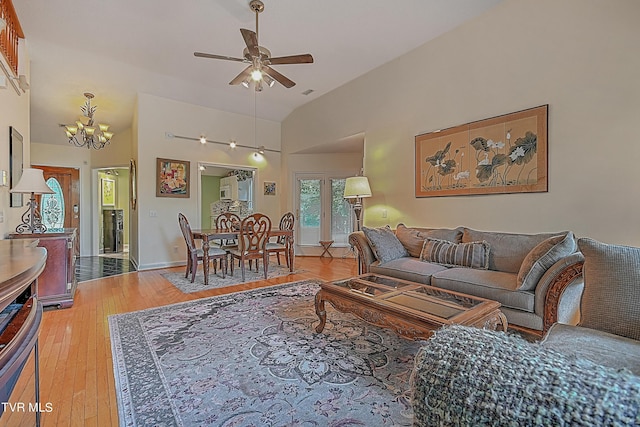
{"x":208,"y":235}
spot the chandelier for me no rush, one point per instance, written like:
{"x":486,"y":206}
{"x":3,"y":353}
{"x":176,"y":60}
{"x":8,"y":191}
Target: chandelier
{"x":84,"y":133}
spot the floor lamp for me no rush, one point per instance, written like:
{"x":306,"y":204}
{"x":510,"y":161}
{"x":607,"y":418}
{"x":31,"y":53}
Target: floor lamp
{"x":355,"y":189}
{"x":32,"y":182}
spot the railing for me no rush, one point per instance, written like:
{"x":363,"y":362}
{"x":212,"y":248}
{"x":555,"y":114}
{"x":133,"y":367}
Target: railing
{"x":9,"y":37}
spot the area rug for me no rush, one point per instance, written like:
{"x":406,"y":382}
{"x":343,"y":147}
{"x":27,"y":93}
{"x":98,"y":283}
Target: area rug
{"x":216,"y":281}
{"x":254,"y":359}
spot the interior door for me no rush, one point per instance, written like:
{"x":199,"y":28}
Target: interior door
{"x":61,"y":209}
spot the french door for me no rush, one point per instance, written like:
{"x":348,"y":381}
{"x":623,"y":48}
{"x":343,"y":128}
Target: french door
{"x":322,"y":212}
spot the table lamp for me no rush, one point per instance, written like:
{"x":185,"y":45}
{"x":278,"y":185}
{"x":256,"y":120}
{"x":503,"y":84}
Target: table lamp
{"x":32,"y":181}
{"x":355,"y":189}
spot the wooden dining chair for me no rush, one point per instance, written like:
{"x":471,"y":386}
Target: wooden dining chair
{"x":280,"y":245}
{"x":195,"y":254}
{"x":227,"y":221}
{"x":252,"y":240}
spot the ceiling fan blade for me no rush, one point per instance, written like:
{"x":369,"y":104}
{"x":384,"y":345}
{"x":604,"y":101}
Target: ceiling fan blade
{"x":251,"y":40}
{"x":243,"y":75}
{"x":284,"y":81}
{"x":294,"y":59}
{"x":212,"y":56}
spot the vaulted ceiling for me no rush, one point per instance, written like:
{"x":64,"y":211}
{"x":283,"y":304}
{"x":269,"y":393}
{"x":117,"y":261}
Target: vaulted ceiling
{"x":117,"y":48}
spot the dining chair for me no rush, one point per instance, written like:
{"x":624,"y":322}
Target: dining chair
{"x":227,"y":221}
{"x":280,"y":245}
{"x":195,"y":254}
{"x":252,"y":239}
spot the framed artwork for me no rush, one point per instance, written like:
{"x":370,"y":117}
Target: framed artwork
{"x":15,"y":165}
{"x":504,"y":154}
{"x":269,"y":188}
{"x":172,"y":178}
{"x":108,"y":191}
{"x":133,"y":184}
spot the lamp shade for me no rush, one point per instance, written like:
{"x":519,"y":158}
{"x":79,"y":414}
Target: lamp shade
{"x":357,"y":187}
{"x":32,"y":181}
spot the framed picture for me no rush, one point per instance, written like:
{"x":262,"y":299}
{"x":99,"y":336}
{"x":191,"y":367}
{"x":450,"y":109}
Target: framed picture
{"x":108,"y":191}
{"x":504,"y":154}
{"x":172,"y":178}
{"x":133,"y":184}
{"x":15,"y":165}
{"x":269,"y":188}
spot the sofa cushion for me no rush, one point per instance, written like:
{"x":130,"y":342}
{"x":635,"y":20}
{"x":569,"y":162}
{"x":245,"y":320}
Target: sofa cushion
{"x":412,"y":238}
{"x":599,"y":347}
{"x":495,"y":285}
{"x":611,"y":297}
{"x":508,"y":250}
{"x":408,"y":268}
{"x":384,"y":243}
{"x":471,"y":254}
{"x":472,"y":377}
{"x":542,"y":257}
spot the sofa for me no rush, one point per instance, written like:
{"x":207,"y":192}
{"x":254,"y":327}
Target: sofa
{"x":582,"y":375}
{"x":537,"y":278}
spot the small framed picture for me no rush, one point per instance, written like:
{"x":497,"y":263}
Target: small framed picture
{"x":269,"y":188}
{"x":108,"y":192}
{"x":172,"y":178}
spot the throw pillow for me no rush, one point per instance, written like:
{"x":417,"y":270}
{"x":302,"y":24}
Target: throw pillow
{"x":386,"y":246}
{"x":542,"y":257}
{"x":413,"y":238}
{"x":611,"y":297}
{"x":410,"y":239}
{"x":471,"y":254}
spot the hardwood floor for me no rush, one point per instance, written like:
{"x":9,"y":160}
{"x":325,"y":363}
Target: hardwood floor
{"x":76,"y":368}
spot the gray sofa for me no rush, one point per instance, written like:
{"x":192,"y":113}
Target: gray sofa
{"x":584,"y":375}
{"x":536,"y":277}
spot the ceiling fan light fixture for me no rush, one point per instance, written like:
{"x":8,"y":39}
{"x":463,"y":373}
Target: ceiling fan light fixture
{"x":256,"y":75}
{"x":268,"y":80}
{"x":246,"y":82}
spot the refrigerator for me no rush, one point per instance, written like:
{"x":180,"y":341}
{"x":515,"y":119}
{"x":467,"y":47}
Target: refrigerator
{"x":112,"y":229}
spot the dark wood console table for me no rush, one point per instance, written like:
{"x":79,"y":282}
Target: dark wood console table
{"x":21,"y":262}
{"x":57,"y":284}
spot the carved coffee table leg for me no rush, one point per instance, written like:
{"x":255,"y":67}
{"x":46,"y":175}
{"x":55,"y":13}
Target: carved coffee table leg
{"x":320,"y":311}
{"x":504,"y":322}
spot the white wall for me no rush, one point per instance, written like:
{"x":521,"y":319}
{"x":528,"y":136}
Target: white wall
{"x":578,"y":56}
{"x":14,"y":111}
{"x":160,"y":241}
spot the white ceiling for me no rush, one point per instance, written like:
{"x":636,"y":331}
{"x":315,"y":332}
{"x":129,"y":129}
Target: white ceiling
{"x":117,"y":48}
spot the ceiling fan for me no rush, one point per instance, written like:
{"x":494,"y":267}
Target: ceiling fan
{"x":259,"y":59}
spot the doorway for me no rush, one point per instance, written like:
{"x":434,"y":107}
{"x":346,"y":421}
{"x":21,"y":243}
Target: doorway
{"x":113,"y":212}
{"x":62,"y":208}
{"x":225,"y":188}
{"x":323,"y":213}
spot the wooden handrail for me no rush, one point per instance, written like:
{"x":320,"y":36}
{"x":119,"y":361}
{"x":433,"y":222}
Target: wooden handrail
{"x":9,"y":37}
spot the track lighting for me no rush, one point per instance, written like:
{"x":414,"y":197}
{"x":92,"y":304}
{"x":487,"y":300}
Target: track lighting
{"x":232,"y":144}
{"x":203,"y":139}
{"x":261,"y":149}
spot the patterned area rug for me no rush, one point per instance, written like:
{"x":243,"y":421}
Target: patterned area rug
{"x":216,"y":281}
{"x":253,"y":359}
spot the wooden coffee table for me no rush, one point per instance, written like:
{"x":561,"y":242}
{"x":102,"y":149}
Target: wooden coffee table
{"x":410,"y":309}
